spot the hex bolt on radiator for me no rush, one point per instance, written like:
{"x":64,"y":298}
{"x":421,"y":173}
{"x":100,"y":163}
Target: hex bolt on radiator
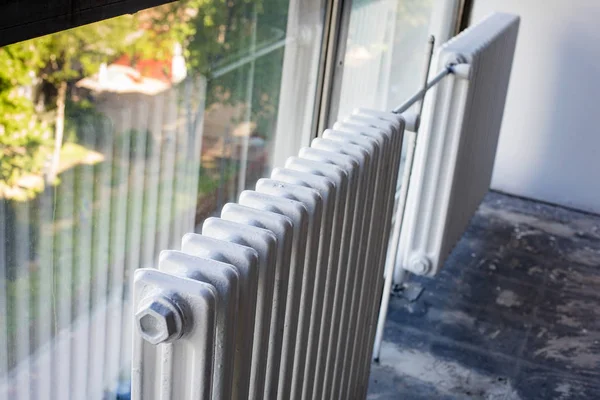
{"x":159,"y":319}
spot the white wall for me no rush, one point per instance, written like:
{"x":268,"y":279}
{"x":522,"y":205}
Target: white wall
{"x":549,"y":146}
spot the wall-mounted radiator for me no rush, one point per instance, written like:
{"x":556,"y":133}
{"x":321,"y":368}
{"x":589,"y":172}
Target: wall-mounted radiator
{"x":455,"y":152}
{"x":278,"y":298}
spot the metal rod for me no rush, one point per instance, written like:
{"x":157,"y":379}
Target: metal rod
{"x":421,"y":93}
{"x":426,"y":69}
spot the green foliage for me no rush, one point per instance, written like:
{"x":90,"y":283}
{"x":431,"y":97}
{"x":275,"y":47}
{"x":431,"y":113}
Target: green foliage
{"x":79,"y":115}
{"x":79,"y":52}
{"x":163,"y":27}
{"x":21,"y":133}
{"x":19,"y":155}
{"x":143,"y":136}
{"x":214,"y":34}
{"x":209,"y":183}
{"x":30,"y":73}
{"x":223,"y":34}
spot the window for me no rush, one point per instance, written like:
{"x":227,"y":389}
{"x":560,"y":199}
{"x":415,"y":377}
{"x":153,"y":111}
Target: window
{"x":382,"y":60}
{"x":116,"y":138}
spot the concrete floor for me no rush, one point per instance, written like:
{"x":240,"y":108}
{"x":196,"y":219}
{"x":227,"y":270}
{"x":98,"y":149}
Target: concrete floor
{"x":514,"y":313}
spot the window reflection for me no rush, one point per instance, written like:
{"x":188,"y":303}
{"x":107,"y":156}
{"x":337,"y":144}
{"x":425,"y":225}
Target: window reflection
{"x":384,"y":53}
{"x":117,"y":138}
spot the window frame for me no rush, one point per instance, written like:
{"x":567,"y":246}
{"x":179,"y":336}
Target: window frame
{"x":446,"y":20}
{"x":20,"y":21}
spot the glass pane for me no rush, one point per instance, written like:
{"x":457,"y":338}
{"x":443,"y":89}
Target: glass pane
{"x":385,"y":52}
{"x":117,"y":138}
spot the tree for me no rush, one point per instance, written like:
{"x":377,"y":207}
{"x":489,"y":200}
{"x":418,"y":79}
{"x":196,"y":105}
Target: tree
{"x":22,"y":134}
{"x":74,"y":53}
{"x":214,"y":33}
{"x":222,"y":35}
{"x":218,"y":33}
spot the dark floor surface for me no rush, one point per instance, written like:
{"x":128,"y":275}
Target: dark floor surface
{"x":514,"y":313}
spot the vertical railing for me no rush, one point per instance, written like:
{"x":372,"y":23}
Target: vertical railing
{"x":137,"y":150}
{"x":63,"y":260}
{"x":167,"y":170}
{"x":21,"y":292}
{"x":82,"y":236}
{"x":118,"y":234}
{"x":151,"y":179}
{"x":99,"y":371}
{"x":45,"y":291}
{"x":4,"y":338}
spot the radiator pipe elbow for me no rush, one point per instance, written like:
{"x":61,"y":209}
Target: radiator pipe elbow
{"x":462,"y":70}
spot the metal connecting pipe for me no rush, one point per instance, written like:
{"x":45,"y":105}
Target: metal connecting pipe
{"x":421,"y":93}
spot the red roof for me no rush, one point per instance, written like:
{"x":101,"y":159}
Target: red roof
{"x":157,"y":69}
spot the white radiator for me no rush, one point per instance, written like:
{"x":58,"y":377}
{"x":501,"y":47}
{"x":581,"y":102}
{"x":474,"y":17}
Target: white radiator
{"x":278,"y":298}
{"x":456,"y":148}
